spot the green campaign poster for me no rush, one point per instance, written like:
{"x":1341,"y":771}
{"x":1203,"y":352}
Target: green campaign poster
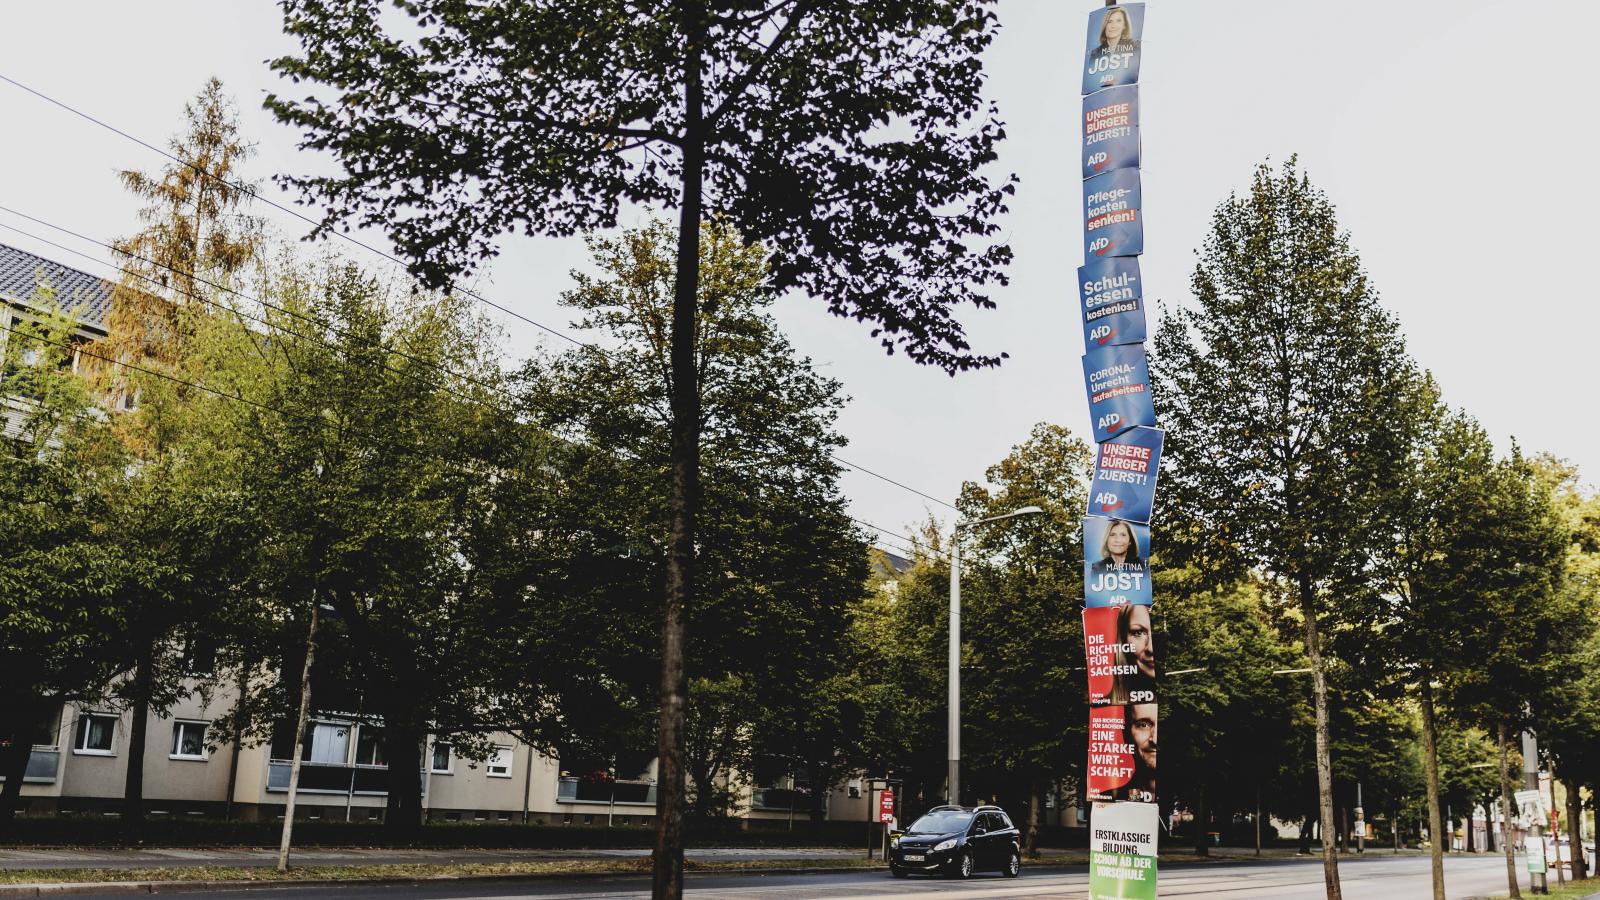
{"x":1122,"y":851}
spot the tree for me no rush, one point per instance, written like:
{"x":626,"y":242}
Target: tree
{"x":849,"y":138}
{"x":1276,"y":391}
{"x":1024,"y":709}
{"x":59,"y":609}
{"x":783,"y":560}
{"x":364,"y":439}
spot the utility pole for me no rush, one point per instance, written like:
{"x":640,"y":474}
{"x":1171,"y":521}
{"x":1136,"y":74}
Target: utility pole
{"x":1361,"y":823}
{"x":953,"y":783}
{"x":1530,"y":782}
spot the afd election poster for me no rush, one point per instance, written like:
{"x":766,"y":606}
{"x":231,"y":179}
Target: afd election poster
{"x":1122,"y":851}
{"x":1111,"y":130}
{"x":1122,"y":753}
{"x":1112,"y":223}
{"x":1116,"y":562}
{"x":1112,"y":296}
{"x":1119,"y":647}
{"x":1125,"y":471}
{"x":1111,"y":56}
{"x":1118,"y":383}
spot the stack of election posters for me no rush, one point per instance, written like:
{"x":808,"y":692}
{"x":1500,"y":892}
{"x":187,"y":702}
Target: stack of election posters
{"x":1118,"y":621}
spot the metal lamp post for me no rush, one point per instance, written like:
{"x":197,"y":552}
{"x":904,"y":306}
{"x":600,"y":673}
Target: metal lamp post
{"x":953,"y":788}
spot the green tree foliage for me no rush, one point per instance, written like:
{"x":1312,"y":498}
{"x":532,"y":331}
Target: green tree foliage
{"x":1025,"y":716}
{"x":366,"y":440}
{"x":60,"y":613}
{"x":1277,"y":391}
{"x":781,"y":560}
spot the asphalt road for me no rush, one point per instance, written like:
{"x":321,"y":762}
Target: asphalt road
{"x":1364,"y":879}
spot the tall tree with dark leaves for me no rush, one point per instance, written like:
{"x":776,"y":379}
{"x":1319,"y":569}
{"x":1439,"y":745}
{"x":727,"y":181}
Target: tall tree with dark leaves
{"x":852,"y":139}
{"x":1277,"y":389}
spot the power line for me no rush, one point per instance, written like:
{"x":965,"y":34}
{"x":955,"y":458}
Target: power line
{"x":382,"y":253}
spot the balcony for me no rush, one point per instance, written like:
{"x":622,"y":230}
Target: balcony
{"x":571,"y":789}
{"x":325,"y":778}
{"x":780,"y":798}
{"x":43,"y":767}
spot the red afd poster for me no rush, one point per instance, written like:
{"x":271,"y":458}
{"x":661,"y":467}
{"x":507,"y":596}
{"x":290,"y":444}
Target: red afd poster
{"x":1122,"y":753}
{"x":1119,"y":645}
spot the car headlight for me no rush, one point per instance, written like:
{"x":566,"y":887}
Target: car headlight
{"x":945,"y":845}
{"x":894,"y":841}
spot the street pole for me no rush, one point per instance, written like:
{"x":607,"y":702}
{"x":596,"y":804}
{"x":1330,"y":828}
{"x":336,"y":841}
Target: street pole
{"x":953,"y":776}
{"x":953,"y":780}
{"x":1530,"y":782}
{"x":299,"y":738}
{"x":1361,"y":823}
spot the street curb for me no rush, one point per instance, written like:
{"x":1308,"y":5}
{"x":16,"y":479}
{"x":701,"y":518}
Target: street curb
{"x":68,"y":888}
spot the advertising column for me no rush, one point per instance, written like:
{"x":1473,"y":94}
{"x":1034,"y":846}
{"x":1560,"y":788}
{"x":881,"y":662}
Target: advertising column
{"x":1118,"y":615}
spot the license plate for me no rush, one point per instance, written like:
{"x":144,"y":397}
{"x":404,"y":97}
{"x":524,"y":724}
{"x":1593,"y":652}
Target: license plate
{"x":914,"y":857}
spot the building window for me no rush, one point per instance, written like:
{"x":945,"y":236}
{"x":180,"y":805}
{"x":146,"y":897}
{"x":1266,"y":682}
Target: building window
{"x":94,"y":733}
{"x":499,"y":765}
{"x":188,"y":740}
{"x":369,"y":746}
{"x":439,"y":762}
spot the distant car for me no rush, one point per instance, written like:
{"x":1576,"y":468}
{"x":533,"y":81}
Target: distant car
{"x":958,"y":840}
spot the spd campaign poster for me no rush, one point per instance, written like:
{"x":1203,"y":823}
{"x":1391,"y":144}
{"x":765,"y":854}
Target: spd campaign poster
{"x":1122,"y":851}
{"x":1122,"y":753}
{"x":1112,"y":222}
{"x":1111,"y":54}
{"x":1119,"y":647}
{"x":1118,"y":382}
{"x":1112,"y":296}
{"x":1111,"y":130}
{"x":1116,"y":562}
{"x":1125,"y":471}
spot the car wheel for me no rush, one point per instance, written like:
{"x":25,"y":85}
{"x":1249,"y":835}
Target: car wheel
{"x":1013,"y":865}
{"x":897,"y":872}
{"x":964,"y":865}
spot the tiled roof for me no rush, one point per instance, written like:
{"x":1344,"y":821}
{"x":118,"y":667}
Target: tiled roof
{"x":21,"y":271}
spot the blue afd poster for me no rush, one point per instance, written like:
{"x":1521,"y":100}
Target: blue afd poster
{"x":1118,"y":381}
{"x":1111,"y":130}
{"x":1116,"y":562}
{"x":1112,"y":294}
{"x":1112,"y":55}
{"x":1125,"y":471}
{"x":1112,"y":223}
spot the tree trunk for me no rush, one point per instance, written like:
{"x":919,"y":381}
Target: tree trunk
{"x":1471,"y":846}
{"x":1305,"y":833}
{"x":1505,"y":812}
{"x":1580,"y":862}
{"x":1030,"y":845}
{"x":138,"y":733}
{"x":684,"y":499}
{"x":14,"y":766}
{"x":1202,"y":819}
{"x":286,"y":837}
{"x":1319,"y":689}
{"x":402,"y":750}
{"x":239,"y":716}
{"x":1344,"y":829}
{"x":1430,"y":768}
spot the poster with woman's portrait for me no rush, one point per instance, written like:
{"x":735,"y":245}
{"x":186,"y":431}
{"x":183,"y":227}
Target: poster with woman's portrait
{"x":1116,"y":562}
{"x":1112,"y":56}
{"x":1120,"y":649}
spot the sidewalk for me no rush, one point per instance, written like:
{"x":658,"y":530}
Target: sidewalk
{"x":152,"y":857}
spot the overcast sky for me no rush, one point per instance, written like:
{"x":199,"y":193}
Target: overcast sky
{"x":1456,"y":138}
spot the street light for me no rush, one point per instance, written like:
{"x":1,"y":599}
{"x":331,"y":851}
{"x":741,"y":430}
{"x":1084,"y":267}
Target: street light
{"x":953,"y":788}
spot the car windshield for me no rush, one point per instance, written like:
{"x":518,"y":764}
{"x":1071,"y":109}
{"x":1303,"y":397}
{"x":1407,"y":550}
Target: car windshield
{"x":941,"y":822}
